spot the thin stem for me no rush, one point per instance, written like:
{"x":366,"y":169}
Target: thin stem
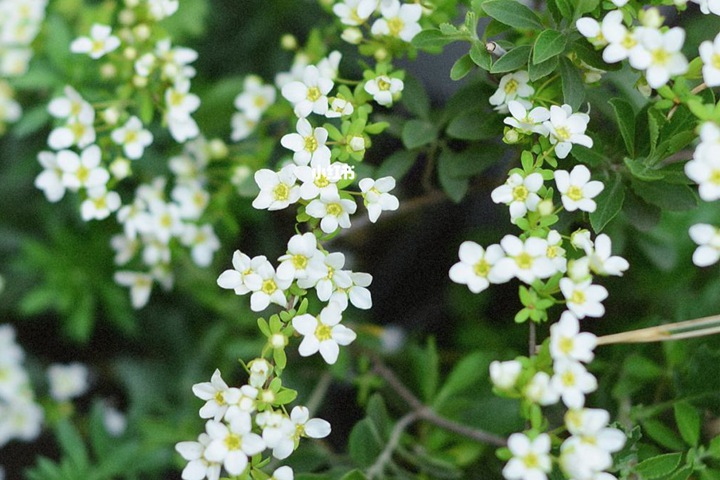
{"x":377,"y":469}
{"x":672,"y":331}
{"x":318,"y":394}
{"x":426,"y":413}
{"x":532,"y":340}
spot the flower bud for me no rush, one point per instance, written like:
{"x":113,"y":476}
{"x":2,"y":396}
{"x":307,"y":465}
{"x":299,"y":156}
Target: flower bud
{"x":217,"y":148}
{"x":130,"y":53}
{"x":259,"y":372}
{"x":108,"y":70}
{"x":651,"y":18}
{"x":504,"y":375}
{"x":140,"y":82}
{"x":126,"y":17}
{"x":352,"y":35}
{"x":546,"y":207}
{"x":511,"y":136}
{"x":142,"y":32}
{"x":111,"y":115}
{"x":581,"y":239}
{"x":240,"y":174}
{"x":579,"y":269}
{"x":357,"y":144}
{"x":120,"y":168}
{"x":132,"y":3}
{"x":288,"y":42}
{"x":278,"y":340}
{"x":381,"y":54}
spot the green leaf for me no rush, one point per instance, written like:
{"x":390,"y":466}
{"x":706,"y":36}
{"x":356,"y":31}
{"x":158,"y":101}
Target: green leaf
{"x":550,"y":43}
{"x":512,"y":60}
{"x":466,"y":373}
{"x":378,"y":414}
{"x":588,"y":156}
{"x":415,"y":99}
{"x":480,"y":55}
{"x":609,"y":203}
{"x":538,"y":71}
{"x":666,"y":195}
{"x":454,"y":187}
{"x":625,"y":117}
{"x":417,"y":133}
{"x":462,"y":67}
{"x":666,"y":437}
{"x":397,"y":165}
{"x":474,"y":125}
{"x":584,"y":6}
{"x":682,"y":474}
{"x":354,"y":475}
{"x":365,"y":443}
{"x":714,"y":447}
{"x":659,"y":466}
{"x":72,"y":444}
{"x":573,"y":87}
{"x":688,"y":422}
{"x":512,"y":13}
{"x":432,"y":38}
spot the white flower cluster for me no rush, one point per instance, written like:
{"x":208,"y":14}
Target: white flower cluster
{"x":153,"y":223}
{"x":20,"y":22}
{"x":67,"y":381}
{"x":704,"y":169}
{"x":252,"y":103}
{"x":586,"y":453}
{"x":563,"y":127}
{"x":242,"y":423}
{"x":647,"y":47}
{"x":20,"y":416}
{"x":396,"y":20}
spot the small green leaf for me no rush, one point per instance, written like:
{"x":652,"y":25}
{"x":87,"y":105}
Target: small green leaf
{"x":354,"y":475}
{"x":474,"y":125}
{"x":550,"y":43}
{"x":72,"y":444}
{"x":512,"y":13}
{"x":415,"y":99}
{"x":688,"y":422}
{"x":417,"y":133}
{"x":609,"y":203}
{"x":480,"y":55}
{"x":462,"y":67}
{"x":538,"y":71}
{"x":397,"y":165}
{"x":659,"y":466}
{"x":365,"y":443}
{"x":572,"y":84}
{"x":666,"y":195}
{"x":432,"y":38}
{"x":512,"y":60}
{"x":625,"y":117}
{"x":663,"y":435}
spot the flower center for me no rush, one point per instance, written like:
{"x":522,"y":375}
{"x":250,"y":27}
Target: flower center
{"x":131,"y":137}
{"x":176,"y":98}
{"x":565,"y":345}
{"x":482,"y":268}
{"x":383,"y":84}
{"x":334,"y":209}
{"x":269,"y":287}
{"x":578,"y":297}
{"x":715,"y":61}
{"x":520,"y":193}
{"x":281,"y":191}
{"x":562,"y":133}
{"x":511,"y":86}
{"x":715,"y":177}
{"x":313,"y":93}
{"x":82,"y":174}
{"x":321,"y":181}
{"x":524,"y":261}
{"x":299,"y":262}
{"x":660,"y":56}
{"x":311,"y":144}
{"x":233,"y":442}
{"x":531,"y":460}
{"x":98,"y":46}
{"x":568,"y":379}
{"x":219,"y":399}
{"x":78,"y":130}
{"x":395,"y":25}
{"x":260,"y":102}
{"x":323,"y":332}
{"x":551,"y":252}
{"x":100,"y":203}
{"x":575,"y":193}
{"x":628,"y":41}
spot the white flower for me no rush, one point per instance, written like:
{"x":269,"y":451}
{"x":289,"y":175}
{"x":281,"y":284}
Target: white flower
{"x":243,"y":278}
{"x":527,"y":121}
{"x":214,"y":393}
{"x":399,"y":20}
{"x":519,"y":193}
{"x":310,"y":95}
{"x":277,"y":189}
{"x":504,"y":375}
{"x":339,"y":107}
{"x":308,"y":144}
{"x":354,"y":12}
{"x":525,"y":260}
{"x":301,"y":251}
{"x":583,"y":298}
{"x":601,"y":259}
{"x":357,"y":292}
{"x":140,"y":286}
{"x":708,"y":6}
{"x":72,"y":105}
{"x":581,"y":239}
{"x":660,"y":56}
{"x":161,"y":9}
{"x":330,"y":65}
{"x":331,"y":278}
{"x":540,"y":390}
{"x":114,"y":421}
{"x":259,"y":372}
{"x":592,"y":30}
{"x":278,"y":433}
{"x":333,"y":211}
{"x":710,"y":54}
{"x":84,"y":170}
{"x":573,"y":382}
{"x":67,"y":381}
{"x":384,"y":89}
{"x":306,"y":426}
{"x":555,"y":252}
{"x":588,"y":427}
{"x":50,"y":180}
{"x":198,"y":467}
{"x":191,"y":198}
{"x":704,"y":169}
{"x":531,"y":458}
{"x":255,"y":98}
{"x":567,"y":128}
{"x":323,"y":333}
{"x":99,"y":204}
{"x":567,"y":342}
{"x":202,"y":241}
{"x":163,"y":221}
{"x":133,"y":138}
{"x":513,"y":86}
{"x":180,"y":104}
{"x":283,"y":473}
{"x":577,"y":189}
{"x":316,"y":181}
{"x":242,"y":126}
{"x":476,"y":267}
{"x":708,"y":239}
{"x":77,"y":131}
{"x":100,"y":42}
{"x":377,"y":196}
{"x":232,"y":444}
{"x":272,"y":289}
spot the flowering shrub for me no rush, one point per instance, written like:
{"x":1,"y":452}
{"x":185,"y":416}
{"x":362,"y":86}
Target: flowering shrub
{"x":569,"y":149}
